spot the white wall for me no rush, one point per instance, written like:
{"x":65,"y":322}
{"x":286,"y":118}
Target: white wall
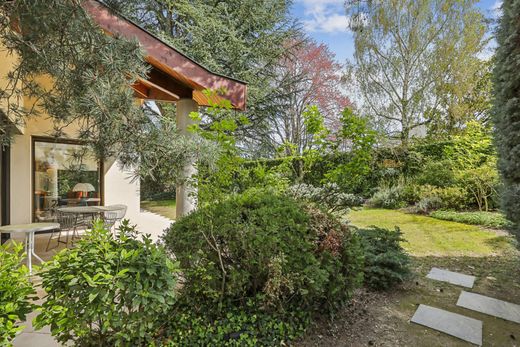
{"x":121,"y":189}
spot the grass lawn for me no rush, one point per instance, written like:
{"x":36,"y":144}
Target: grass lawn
{"x":428,"y":236}
{"x":383,"y":318}
{"x":165,"y":208}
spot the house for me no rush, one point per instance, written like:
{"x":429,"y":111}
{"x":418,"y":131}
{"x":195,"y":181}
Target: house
{"x":35,"y":174}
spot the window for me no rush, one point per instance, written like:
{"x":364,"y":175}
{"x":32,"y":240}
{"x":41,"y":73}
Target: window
{"x":65,"y":173}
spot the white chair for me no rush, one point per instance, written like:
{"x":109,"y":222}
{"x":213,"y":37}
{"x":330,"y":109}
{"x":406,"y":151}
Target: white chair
{"x":111,"y":218}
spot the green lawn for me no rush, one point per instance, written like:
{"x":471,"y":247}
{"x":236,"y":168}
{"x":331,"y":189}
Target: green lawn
{"x":428,"y":236}
{"x":165,"y":208}
{"x":383,"y":318}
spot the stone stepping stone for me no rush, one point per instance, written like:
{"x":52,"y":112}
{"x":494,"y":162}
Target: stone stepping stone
{"x":490,"y":306}
{"x":462,"y":327}
{"x":451,"y":277}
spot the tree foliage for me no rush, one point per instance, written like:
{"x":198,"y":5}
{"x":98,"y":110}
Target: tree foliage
{"x":507,"y":107}
{"x":239,"y":38}
{"x":315,"y":79}
{"x":416,"y":62}
{"x":90,"y":76}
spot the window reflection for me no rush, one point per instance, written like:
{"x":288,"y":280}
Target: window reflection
{"x":65,"y":174}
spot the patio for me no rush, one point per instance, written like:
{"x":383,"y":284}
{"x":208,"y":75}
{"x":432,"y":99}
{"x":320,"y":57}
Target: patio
{"x":147,"y":222}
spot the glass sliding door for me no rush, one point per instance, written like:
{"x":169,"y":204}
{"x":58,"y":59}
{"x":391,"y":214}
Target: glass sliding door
{"x":65,"y":173}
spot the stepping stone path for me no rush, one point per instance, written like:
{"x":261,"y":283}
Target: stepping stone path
{"x":451,"y":277}
{"x":490,"y":306}
{"x":465,"y":328}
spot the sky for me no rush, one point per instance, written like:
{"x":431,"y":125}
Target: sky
{"x":325,"y":21}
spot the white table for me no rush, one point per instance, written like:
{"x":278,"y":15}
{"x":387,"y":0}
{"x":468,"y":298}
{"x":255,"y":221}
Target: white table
{"x":29,"y":230}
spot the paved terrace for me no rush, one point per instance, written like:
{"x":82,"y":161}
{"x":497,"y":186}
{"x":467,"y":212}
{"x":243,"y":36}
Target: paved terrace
{"x":147,"y":223}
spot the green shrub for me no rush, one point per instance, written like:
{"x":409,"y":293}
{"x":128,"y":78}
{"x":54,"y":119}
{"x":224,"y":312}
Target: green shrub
{"x":108,"y":291}
{"x":488,"y":219}
{"x":263,"y":254}
{"x":427,"y":204}
{"x":446,"y":197}
{"x":386,"y":262}
{"x":16,"y":292}
{"x":328,"y":196}
{"x":436,"y":173}
{"x":389,"y":197}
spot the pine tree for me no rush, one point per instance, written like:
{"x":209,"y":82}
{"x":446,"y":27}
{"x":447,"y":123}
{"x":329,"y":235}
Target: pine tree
{"x":507,"y":107}
{"x":92,"y":74}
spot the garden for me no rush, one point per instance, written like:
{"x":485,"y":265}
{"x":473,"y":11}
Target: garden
{"x":318,"y":214}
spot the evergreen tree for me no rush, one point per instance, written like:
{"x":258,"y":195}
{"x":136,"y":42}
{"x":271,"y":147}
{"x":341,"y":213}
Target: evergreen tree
{"x":507,"y":107}
{"x":91,"y":74}
{"x":244,"y":39}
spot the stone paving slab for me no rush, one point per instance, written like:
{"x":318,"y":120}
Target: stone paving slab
{"x":462,"y":327}
{"x":490,"y":306}
{"x":451,"y":277}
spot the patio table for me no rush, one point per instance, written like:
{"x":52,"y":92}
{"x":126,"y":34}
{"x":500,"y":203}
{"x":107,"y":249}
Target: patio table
{"x":29,"y":230}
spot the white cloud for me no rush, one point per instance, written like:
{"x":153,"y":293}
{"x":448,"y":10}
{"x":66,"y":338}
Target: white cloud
{"x":324,"y":16}
{"x":496,"y":9}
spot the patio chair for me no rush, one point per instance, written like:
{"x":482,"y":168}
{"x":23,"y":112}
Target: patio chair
{"x":67,"y":223}
{"x":111,"y":218}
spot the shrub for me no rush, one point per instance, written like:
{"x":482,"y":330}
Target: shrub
{"x":388,"y":197}
{"x":436,"y":173}
{"x":447,"y":197}
{"x":263,"y":254}
{"x":16,"y":292}
{"x":108,"y":291}
{"x":386,"y":262}
{"x":329,"y":197}
{"x":488,"y":219}
{"x":427,"y":204}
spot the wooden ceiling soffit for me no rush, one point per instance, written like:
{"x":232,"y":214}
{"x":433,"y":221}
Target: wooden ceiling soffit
{"x":182,"y":69}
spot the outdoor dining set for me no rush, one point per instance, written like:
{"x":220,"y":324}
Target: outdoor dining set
{"x":69,"y":221}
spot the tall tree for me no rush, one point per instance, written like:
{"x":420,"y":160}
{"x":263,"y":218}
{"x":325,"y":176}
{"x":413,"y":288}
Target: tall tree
{"x":91,"y":74}
{"x":239,"y":38}
{"x":312,"y":77}
{"x":507,"y":107}
{"x":415,"y":61}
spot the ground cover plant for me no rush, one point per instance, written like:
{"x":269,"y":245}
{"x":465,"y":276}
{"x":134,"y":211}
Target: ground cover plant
{"x":488,"y":219}
{"x":16,"y":292}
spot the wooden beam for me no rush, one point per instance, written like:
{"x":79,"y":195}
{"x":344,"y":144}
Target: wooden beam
{"x":140,"y":90}
{"x":167,"y":83}
{"x":156,"y":92}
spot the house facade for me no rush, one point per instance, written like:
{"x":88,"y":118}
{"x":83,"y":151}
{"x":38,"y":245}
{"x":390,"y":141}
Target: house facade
{"x":40,"y":173}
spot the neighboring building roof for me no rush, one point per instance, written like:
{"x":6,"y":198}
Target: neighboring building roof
{"x":173,"y":74}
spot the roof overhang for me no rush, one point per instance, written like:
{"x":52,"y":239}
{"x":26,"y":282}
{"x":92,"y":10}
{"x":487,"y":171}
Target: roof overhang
{"x":173,"y":75}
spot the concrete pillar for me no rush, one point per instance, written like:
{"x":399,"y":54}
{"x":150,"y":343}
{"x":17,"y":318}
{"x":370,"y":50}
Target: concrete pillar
{"x":186,"y":193}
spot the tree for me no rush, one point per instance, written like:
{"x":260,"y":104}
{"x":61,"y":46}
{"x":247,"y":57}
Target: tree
{"x":360,"y":138}
{"x":506,"y":78}
{"x":91,"y":75}
{"x":239,"y":38}
{"x":416,"y":60}
{"x":315,"y":79}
